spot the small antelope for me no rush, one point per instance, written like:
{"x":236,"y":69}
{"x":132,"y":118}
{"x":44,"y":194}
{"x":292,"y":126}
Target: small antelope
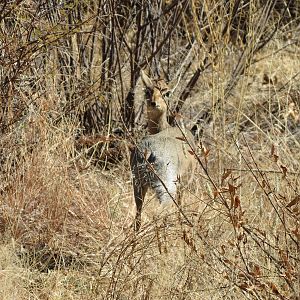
{"x":162,"y":159}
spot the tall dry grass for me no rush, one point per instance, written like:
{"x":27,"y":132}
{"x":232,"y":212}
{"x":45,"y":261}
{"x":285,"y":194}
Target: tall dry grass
{"x":69,"y":73}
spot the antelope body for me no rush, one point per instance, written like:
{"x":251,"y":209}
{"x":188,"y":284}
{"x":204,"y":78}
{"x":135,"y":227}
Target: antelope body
{"x":162,"y":159}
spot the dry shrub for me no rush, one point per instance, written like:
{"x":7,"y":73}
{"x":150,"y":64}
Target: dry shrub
{"x":65,"y":223}
{"x":47,"y":202}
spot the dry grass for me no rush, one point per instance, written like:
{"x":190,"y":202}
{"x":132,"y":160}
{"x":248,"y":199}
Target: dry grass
{"x":66,"y":226}
{"x":65,"y":223}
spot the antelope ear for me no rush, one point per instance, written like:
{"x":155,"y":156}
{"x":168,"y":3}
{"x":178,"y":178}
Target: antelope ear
{"x":146,"y":80}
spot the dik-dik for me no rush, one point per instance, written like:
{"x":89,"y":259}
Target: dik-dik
{"x":162,"y":159}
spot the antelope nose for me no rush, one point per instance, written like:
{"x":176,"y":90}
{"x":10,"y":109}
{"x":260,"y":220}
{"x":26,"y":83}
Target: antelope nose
{"x":153,"y":103}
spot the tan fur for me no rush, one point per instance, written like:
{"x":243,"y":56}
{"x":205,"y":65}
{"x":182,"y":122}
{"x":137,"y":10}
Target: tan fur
{"x":156,"y":105}
{"x":162,"y":159}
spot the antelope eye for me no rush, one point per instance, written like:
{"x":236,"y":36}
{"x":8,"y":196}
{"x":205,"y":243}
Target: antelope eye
{"x":148,"y":93}
{"x":167,"y":94}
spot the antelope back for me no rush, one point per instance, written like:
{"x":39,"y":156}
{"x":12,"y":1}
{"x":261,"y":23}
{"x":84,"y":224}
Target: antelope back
{"x":161,"y":160}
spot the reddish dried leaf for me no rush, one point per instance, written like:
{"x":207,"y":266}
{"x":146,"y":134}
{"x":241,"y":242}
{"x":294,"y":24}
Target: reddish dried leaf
{"x":205,"y":151}
{"x":272,"y":150}
{"x":296,"y":233}
{"x":244,"y":286}
{"x":231,"y":243}
{"x":191,"y":152}
{"x":227,"y":261}
{"x":294,"y":201}
{"x":232,"y":189}
{"x":296,"y":211}
{"x":256,"y":271}
{"x":181,"y":138}
{"x":284,"y":257}
{"x":274,"y":288}
{"x":235,"y":179}
{"x":216,"y":194}
{"x":237,"y":202}
{"x":225,"y":175}
{"x":284,"y":170}
{"x":235,"y":221}
{"x":288,"y":274}
{"x":240,"y":237}
{"x":223,"y":249}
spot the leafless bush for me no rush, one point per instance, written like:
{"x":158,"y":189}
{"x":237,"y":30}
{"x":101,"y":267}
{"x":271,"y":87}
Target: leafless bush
{"x":69,"y":81}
